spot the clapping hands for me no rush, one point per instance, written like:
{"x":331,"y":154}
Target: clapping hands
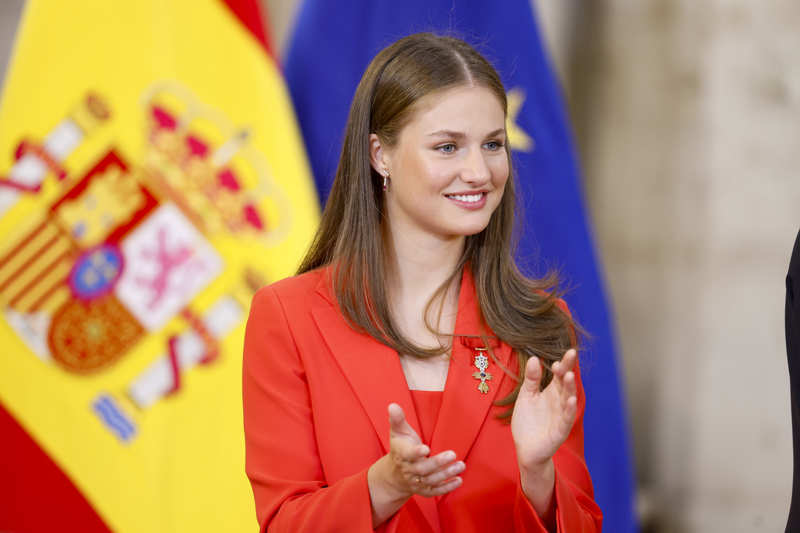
{"x":408,"y":469}
{"x":414,"y":472}
{"x":541,"y":422}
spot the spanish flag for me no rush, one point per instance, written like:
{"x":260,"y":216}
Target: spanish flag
{"x":152,"y":176}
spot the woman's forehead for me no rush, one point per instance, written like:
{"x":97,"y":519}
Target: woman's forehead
{"x":455,"y":109}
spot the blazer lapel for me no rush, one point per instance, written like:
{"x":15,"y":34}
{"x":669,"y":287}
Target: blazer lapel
{"x":373,"y":370}
{"x":464,"y":406}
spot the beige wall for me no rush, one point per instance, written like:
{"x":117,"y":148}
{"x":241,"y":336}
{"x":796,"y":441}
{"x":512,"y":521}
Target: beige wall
{"x":688,"y":119}
{"x":9,"y":17}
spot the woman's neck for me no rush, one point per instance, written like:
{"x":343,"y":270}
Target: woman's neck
{"x":417,"y":266}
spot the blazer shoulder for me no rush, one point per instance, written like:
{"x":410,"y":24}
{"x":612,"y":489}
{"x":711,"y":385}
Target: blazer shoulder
{"x":299,"y":289}
{"x":562,"y":304}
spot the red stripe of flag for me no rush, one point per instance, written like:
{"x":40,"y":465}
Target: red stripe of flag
{"x":254,"y":19}
{"x":35,"y":494}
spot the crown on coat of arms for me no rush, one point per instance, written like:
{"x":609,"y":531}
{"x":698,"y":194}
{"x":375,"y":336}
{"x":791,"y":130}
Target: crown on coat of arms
{"x":194,"y":158}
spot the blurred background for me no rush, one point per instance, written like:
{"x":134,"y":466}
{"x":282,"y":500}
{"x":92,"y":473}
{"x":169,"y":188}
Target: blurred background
{"x":687,"y":119}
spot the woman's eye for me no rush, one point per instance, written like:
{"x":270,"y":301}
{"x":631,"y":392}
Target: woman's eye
{"x":494,"y":145}
{"x":447,"y":148}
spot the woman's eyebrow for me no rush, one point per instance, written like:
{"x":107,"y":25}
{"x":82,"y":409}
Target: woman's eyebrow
{"x":461,"y":135}
{"x":447,"y":133}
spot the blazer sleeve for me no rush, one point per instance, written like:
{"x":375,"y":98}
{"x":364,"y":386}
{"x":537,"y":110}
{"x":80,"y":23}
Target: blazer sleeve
{"x":576,"y":510}
{"x":281,"y":457}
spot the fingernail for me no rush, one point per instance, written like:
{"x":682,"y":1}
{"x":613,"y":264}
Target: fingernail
{"x":449,"y":455}
{"x":424,"y":450}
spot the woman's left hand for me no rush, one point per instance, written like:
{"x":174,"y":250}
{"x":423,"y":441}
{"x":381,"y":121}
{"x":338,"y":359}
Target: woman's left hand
{"x":542,"y":420}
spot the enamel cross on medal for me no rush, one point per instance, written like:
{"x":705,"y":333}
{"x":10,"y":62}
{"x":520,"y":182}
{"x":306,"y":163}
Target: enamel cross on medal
{"x":482,"y":363}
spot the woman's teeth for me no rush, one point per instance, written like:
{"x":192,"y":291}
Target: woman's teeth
{"x":466,"y":197}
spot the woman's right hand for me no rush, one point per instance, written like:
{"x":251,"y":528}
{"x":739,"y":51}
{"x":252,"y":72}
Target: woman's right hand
{"x":407,"y":470}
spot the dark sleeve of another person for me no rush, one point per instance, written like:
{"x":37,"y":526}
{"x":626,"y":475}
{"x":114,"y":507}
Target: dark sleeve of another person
{"x":793,"y":354}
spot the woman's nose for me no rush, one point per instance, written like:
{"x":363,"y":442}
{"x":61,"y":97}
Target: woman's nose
{"x":475,"y":169}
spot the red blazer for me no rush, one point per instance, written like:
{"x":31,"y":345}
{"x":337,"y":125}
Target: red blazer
{"x":315,"y":419}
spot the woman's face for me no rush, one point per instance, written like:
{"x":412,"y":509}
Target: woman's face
{"x":449,"y":167}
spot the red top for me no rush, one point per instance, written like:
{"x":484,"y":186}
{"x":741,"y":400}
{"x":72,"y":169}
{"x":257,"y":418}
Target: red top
{"x":427,"y":403}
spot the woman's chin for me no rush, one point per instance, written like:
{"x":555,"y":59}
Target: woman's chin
{"x":469,"y":229}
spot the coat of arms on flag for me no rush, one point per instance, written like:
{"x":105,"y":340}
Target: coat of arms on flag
{"x":125,"y":248}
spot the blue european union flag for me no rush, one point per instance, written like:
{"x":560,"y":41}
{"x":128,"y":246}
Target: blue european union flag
{"x":332,"y":44}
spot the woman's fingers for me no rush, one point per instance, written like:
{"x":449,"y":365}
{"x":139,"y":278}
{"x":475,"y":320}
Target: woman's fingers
{"x":429,"y":465}
{"x":569,"y":385}
{"x":566,"y":368}
{"x":443,"y":474}
{"x":425,"y":473}
{"x":569,"y":401}
{"x":427,"y":476}
{"x":571,"y":410}
{"x":570,"y":360}
{"x":398,"y":424}
{"x":405,"y":450}
{"x":533,"y":376}
{"x":567,"y":363}
{"x":564,"y":377}
{"x":441,"y":481}
{"x":397,"y":418}
{"x":443,"y":488}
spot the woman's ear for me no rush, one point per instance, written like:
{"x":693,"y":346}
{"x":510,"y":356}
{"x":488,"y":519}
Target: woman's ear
{"x":378,"y":157}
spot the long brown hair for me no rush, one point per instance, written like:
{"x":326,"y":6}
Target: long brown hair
{"x":522,"y":312}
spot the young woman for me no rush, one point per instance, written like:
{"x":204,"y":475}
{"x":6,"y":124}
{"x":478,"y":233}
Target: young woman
{"x":410,"y":378}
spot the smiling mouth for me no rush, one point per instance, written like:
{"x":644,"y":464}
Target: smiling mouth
{"x":467,"y":198}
